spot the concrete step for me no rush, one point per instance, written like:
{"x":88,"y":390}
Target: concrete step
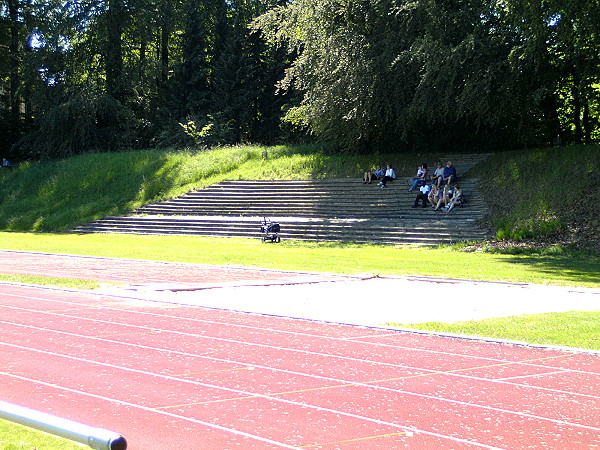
{"x":333,"y":210}
{"x":386,"y":231}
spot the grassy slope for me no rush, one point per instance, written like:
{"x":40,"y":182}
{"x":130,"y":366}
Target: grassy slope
{"x":545,"y":193}
{"x":57,"y":195}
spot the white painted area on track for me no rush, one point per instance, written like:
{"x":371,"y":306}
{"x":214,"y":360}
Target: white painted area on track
{"x":379,"y":301}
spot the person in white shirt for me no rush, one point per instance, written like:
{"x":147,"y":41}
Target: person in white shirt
{"x":390,"y":175}
{"x":423,"y":195}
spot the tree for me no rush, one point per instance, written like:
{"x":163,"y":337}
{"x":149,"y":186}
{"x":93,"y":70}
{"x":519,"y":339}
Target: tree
{"x":404,"y":74}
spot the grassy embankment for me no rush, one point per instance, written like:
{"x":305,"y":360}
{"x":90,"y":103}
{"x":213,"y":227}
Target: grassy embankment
{"x":57,"y":195}
{"x":545,"y":194}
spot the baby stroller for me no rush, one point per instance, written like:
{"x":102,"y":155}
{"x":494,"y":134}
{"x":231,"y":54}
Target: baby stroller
{"x":270,"y":231}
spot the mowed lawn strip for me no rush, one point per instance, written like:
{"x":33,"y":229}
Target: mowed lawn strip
{"x":73,"y":283}
{"x":18,"y":437}
{"x":559,"y":269}
{"x":580,"y":329}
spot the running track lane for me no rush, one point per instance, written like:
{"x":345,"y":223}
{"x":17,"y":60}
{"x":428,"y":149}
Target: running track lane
{"x":167,"y":275}
{"x":173,"y":377}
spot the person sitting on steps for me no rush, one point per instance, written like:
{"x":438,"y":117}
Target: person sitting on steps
{"x":437,"y":173}
{"x":371,"y":175}
{"x":423,"y":195}
{"x":444,"y":198}
{"x":449,"y":176}
{"x":421,"y":178}
{"x":390,"y":175}
{"x":455,"y":200}
{"x":434,"y":195}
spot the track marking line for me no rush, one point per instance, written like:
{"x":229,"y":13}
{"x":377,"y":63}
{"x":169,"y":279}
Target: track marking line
{"x":323,"y":444}
{"x":429,"y":371}
{"x":415,"y":349}
{"x":372,"y":383}
{"x":250,"y":395}
{"x":268,"y":394}
{"x":353,"y":338}
{"x":191,"y":374}
{"x":534,"y":375}
{"x":134,"y":333}
{"x":149,"y":409}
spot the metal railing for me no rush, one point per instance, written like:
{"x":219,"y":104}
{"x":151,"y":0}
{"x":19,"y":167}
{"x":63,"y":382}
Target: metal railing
{"x":96,"y":438}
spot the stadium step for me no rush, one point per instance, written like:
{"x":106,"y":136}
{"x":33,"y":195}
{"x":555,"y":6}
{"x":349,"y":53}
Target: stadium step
{"x":314,"y":210}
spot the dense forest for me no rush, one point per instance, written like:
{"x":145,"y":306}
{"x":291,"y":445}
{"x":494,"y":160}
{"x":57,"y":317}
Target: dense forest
{"x":80,"y":76}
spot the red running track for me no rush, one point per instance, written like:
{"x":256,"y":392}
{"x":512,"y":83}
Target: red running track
{"x":180,"y":377}
{"x":154,"y":273}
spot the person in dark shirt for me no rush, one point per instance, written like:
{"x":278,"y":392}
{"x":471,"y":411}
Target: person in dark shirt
{"x":449,"y":175}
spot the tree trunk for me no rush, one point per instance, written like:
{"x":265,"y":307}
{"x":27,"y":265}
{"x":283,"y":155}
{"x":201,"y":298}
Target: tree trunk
{"x":164,"y":53}
{"x":587,"y":123}
{"x":14,"y":64}
{"x":114,"y":49}
{"x":577,"y":108}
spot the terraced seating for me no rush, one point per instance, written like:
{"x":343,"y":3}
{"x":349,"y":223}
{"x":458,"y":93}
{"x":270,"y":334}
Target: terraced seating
{"x":328,"y":210}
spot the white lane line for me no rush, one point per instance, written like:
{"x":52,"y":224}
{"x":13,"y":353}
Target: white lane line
{"x":355,"y":337}
{"x":534,"y":375}
{"x":436,"y":352}
{"x":244,"y":393}
{"x":146,"y":408}
{"x":336,"y":380}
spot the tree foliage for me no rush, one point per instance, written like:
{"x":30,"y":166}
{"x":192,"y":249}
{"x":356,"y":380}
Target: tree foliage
{"x":85,"y":75}
{"x":389,"y":75}
{"x":411,"y":73}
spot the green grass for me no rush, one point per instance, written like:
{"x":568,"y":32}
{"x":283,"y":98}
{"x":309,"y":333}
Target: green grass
{"x":19,"y":437}
{"x":73,"y":283}
{"x":58,"y":195}
{"x":546,"y":268}
{"x":578,"y":329}
{"x":544,"y":192}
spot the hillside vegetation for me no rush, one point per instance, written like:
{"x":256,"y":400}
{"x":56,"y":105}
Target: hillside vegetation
{"x":545,"y":194}
{"x":57,"y":195}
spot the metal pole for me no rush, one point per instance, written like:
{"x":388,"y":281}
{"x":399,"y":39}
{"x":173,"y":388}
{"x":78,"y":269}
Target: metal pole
{"x":97,"y":438}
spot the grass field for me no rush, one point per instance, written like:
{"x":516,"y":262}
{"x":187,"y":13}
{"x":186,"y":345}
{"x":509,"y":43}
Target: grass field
{"x":558,"y":268}
{"x":19,"y":437}
{"x":579,"y":329}
{"x":50,"y":281}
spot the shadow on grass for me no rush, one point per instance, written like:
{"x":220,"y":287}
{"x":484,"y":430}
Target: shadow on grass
{"x":576,"y":269}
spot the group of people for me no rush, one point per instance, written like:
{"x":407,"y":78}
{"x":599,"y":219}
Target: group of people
{"x":437,"y":189}
{"x":379,"y":174}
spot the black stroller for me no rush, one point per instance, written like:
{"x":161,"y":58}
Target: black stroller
{"x":270,"y":231}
